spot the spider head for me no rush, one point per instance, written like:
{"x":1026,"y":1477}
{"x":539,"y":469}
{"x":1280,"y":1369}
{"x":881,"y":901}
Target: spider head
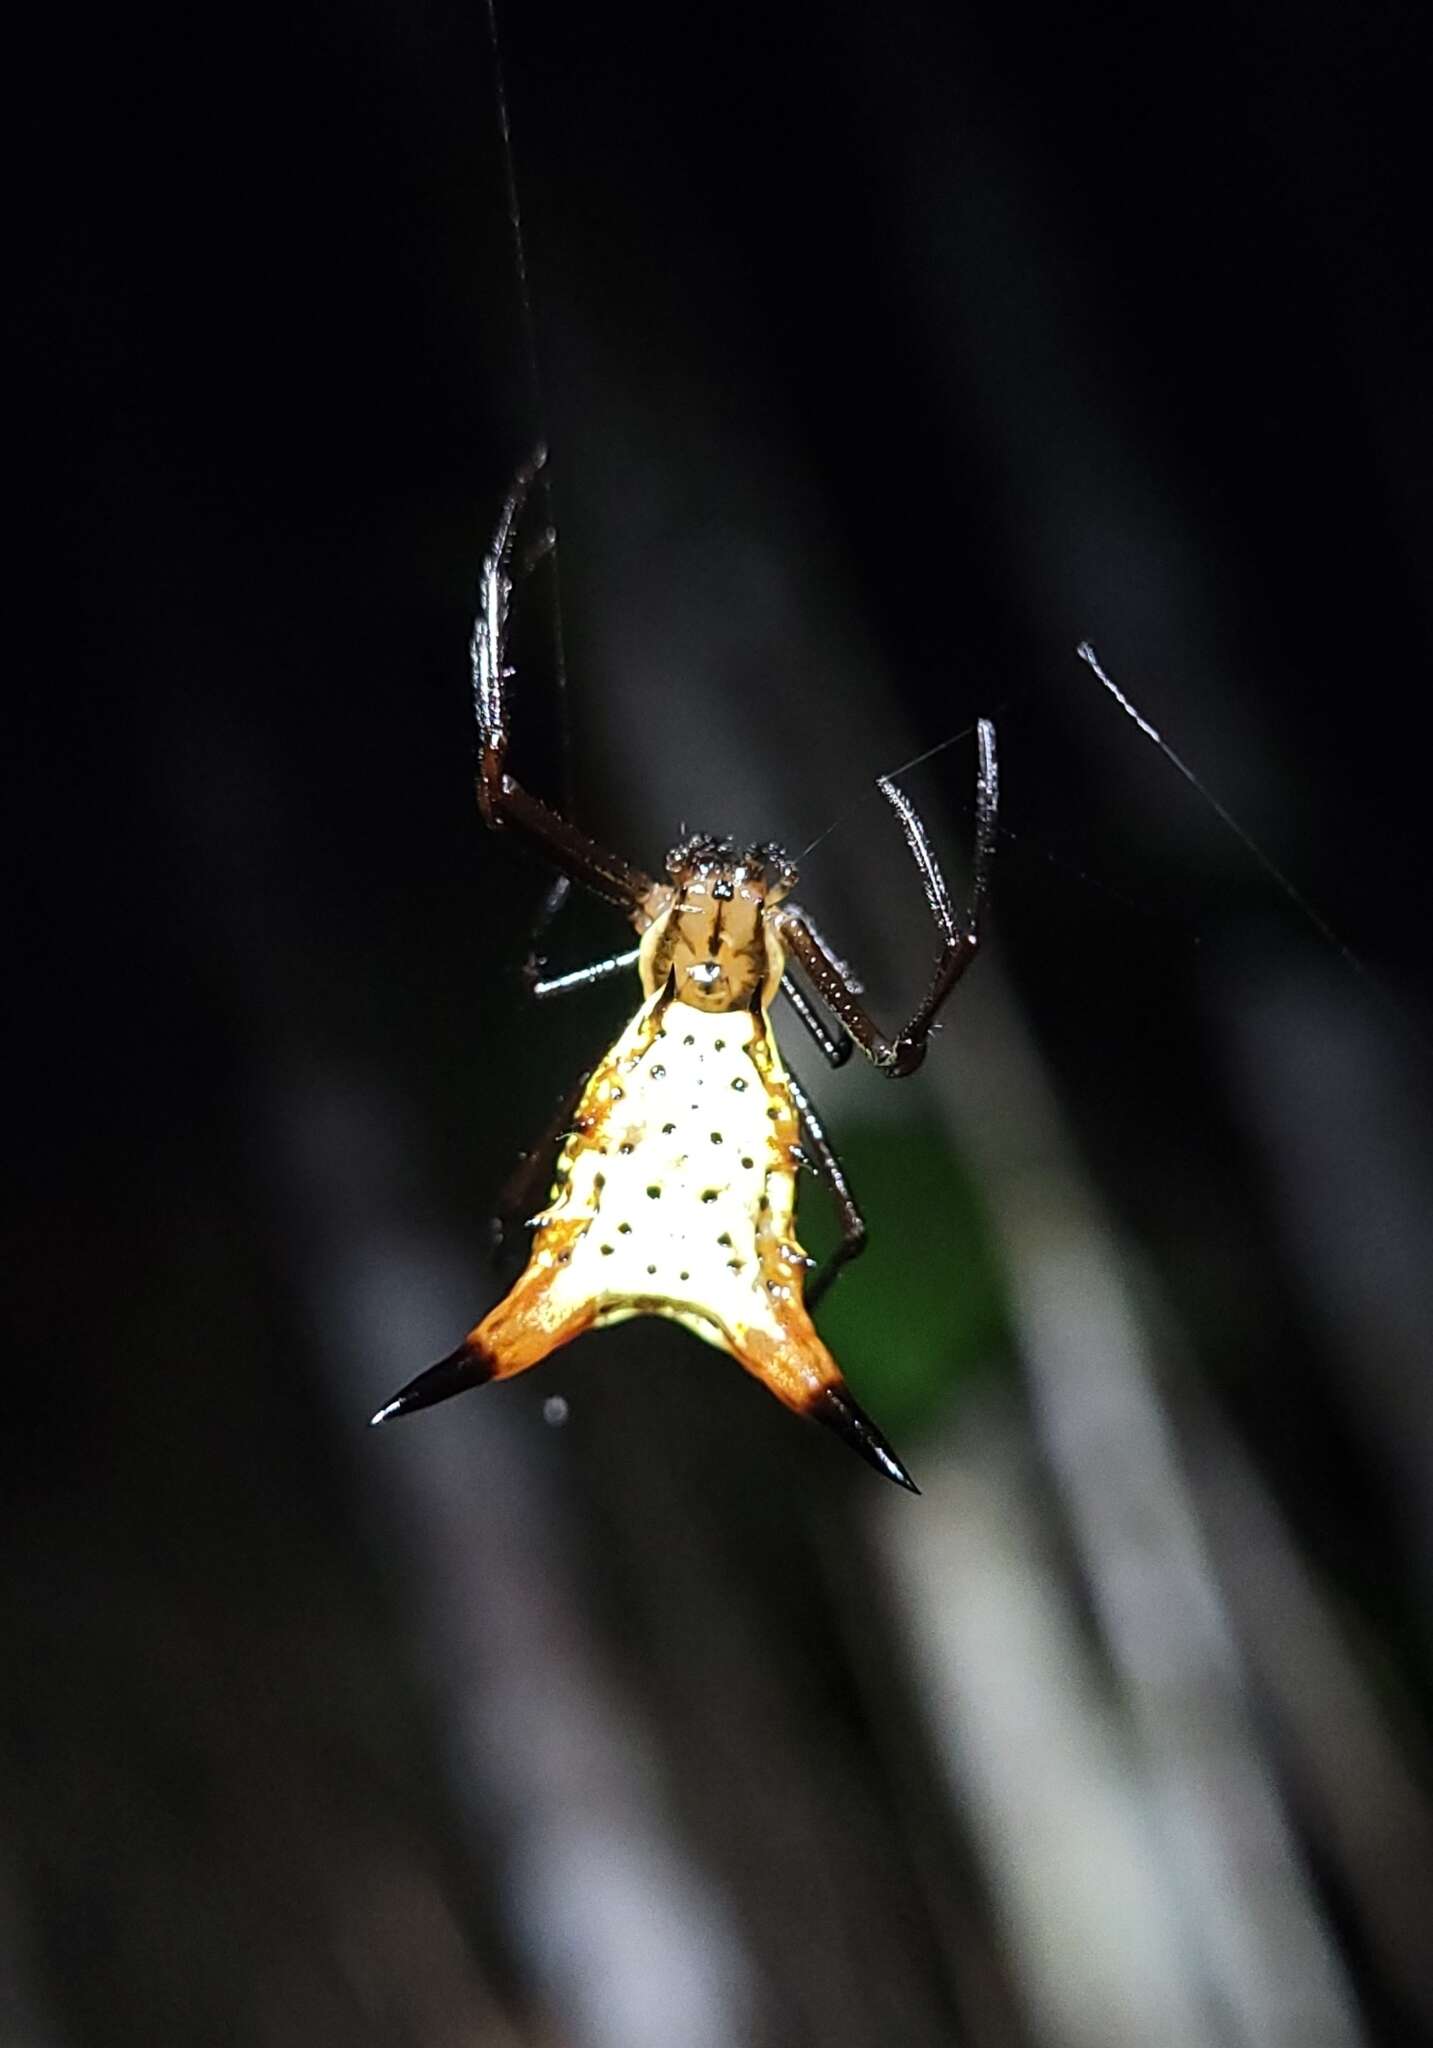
{"x":720,"y":863}
{"x":713,"y":938}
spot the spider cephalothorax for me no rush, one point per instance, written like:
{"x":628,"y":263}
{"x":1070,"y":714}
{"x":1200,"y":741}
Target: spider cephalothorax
{"x":709,"y":932}
{"x":674,"y":1188}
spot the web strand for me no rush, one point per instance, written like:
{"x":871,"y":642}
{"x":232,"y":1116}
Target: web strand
{"x":916,"y":761}
{"x":1251,"y":845}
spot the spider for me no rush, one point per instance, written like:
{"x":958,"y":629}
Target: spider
{"x":674,"y":1189}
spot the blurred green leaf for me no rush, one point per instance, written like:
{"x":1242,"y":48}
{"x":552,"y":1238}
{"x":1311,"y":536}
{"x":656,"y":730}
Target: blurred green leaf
{"x":923,"y":1309}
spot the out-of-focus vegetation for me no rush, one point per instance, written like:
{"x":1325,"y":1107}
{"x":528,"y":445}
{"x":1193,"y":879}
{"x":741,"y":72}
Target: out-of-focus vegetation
{"x":927,"y":1316}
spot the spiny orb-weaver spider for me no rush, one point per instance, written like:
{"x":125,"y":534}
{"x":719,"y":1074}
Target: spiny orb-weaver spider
{"x":674,"y":1190}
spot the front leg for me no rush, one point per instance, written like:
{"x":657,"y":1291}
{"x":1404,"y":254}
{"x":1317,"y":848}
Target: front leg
{"x":501,"y":797}
{"x":834,"y":1045}
{"x":902,"y":1053}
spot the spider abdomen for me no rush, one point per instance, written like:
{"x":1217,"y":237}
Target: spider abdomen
{"x":675,"y":1196}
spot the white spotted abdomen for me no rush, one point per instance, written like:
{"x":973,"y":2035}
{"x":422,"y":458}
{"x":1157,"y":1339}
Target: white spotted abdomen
{"x":676,"y":1190}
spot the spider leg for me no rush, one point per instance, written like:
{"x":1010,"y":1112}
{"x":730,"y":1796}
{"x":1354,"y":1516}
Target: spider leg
{"x":523,"y":1190}
{"x":901,"y":1054}
{"x":831,"y":1038}
{"x":554,"y":896}
{"x":821,"y":1157}
{"x":501,"y":797}
{"x":834,"y":1046}
{"x":580,"y":977}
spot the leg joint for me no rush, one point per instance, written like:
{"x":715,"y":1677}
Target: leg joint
{"x":902,"y":1059}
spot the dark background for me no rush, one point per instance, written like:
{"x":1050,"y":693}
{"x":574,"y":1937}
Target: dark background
{"x":884,"y":357}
